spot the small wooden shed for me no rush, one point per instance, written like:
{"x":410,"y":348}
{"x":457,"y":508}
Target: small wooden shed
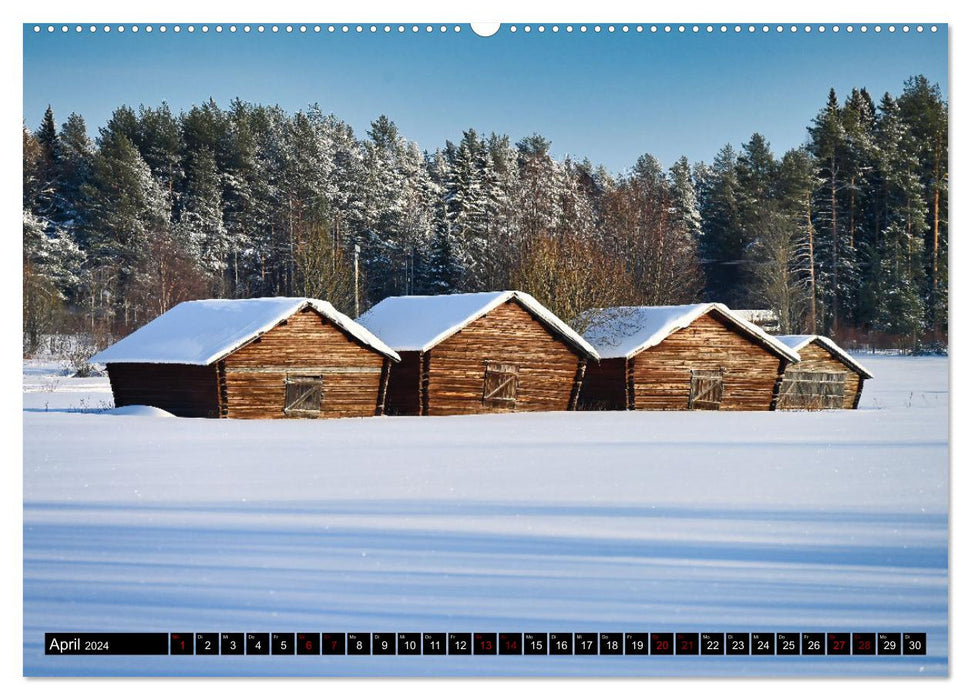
{"x":483,"y":352}
{"x":826,"y":376}
{"x":275,"y":357}
{"x":696,"y":356}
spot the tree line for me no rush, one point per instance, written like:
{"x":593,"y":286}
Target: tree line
{"x":845,"y":235}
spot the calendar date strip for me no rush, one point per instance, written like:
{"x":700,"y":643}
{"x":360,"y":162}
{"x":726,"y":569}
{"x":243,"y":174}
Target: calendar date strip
{"x":486,"y":644}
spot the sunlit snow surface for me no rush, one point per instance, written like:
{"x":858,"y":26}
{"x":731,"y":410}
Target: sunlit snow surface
{"x":581,"y":522}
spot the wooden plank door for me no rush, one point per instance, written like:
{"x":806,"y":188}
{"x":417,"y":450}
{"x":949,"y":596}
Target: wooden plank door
{"x":303,"y":396}
{"x":707,"y":387}
{"x":811,"y":391}
{"x":500,"y":385}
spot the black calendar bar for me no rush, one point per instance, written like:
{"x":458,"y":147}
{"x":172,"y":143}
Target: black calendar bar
{"x":633,"y":644}
{"x":106,"y":643}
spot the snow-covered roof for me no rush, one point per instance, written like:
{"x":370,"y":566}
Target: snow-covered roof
{"x":624,"y":331}
{"x":419,"y":323}
{"x":798,"y":342}
{"x":205,"y":331}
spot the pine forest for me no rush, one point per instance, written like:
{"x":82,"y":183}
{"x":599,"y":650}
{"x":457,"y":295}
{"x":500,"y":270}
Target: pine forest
{"x":846,"y":235}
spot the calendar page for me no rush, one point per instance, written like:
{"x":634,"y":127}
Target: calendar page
{"x":522,"y":349}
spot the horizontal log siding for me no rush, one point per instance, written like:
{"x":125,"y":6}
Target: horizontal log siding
{"x":256,"y":373}
{"x":403,"y":398}
{"x":190,"y":391}
{"x":508,"y":334}
{"x":662,"y":374}
{"x":816,"y":358}
{"x":604,"y":386}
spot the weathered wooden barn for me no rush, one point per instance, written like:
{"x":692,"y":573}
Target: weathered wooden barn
{"x":276,"y":357}
{"x":478,"y":353}
{"x":697,"y":356}
{"x":826,"y":376}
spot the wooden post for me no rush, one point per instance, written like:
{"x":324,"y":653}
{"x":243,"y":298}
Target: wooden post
{"x":423,"y":358}
{"x":383,"y":386}
{"x":778,"y":384}
{"x":223,"y":391}
{"x":577,"y":382}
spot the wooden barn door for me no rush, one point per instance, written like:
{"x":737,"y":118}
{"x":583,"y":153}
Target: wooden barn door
{"x":500,"y":385}
{"x":811,"y":391}
{"x":303,"y":396}
{"x":707,"y":387}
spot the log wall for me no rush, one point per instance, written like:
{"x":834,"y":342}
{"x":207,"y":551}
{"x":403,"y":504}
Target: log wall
{"x":817,"y":358}
{"x":309,"y":344}
{"x":509,"y":334}
{"x":189,"y":391}
{"x":662,"y":374}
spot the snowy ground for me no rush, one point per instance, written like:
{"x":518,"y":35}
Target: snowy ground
{"x":599,"y":522}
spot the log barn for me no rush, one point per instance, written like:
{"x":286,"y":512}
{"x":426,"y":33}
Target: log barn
{"x":691,"y":357}
{"x":485,"y":352}
{"x":275,"y":357}
{"x":826,"y":376}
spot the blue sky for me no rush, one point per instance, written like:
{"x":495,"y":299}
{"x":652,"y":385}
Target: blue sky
{"x":609,"y":97}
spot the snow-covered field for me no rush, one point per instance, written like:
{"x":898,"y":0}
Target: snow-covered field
{"x":599,"y":522}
